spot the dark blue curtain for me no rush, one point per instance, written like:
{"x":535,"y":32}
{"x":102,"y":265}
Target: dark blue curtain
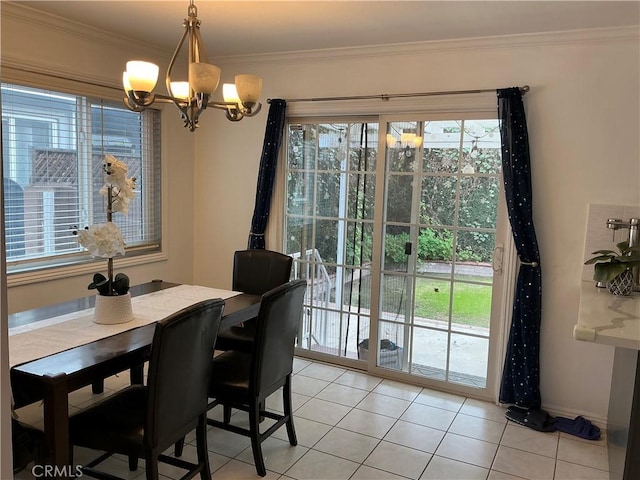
{"x":521,"y":375}
{"x":267,"y":173}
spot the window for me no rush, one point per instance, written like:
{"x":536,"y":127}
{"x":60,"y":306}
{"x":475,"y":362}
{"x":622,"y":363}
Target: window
{"x":52,"y":148}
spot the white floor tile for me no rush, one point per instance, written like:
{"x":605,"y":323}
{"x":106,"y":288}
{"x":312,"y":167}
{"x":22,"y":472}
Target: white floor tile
{"x":346,"y":444}
{"x":300,"y":363}
{"x":524,"y":464}
{"x":446,"y":401}
{"x":465,"y":449}
{"x":477,"y":427}
{"x":398,"y":459}
{"x":529,"y":440}
{"x":307,"y":386}
{"x":582,"y":453}
{"x":441,"y":468}
{"x":478,"y":408}
{"x":384,"y":404}
{"x":428,"y":416}
{"x":367,"y":423}
{"x":415,"y":436}
{"x":495,"y":475}
{"x":316,"y":465}
{"x":342,"y":394}
{"x":368,"y":473}
{"x":322,"y":411}
{"x":398,"y":390}
{"x":358,"y":380}
{"x":571,"y":471}
{"x":321,"y":371}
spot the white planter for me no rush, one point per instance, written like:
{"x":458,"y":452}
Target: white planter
{"x":113,"y":310}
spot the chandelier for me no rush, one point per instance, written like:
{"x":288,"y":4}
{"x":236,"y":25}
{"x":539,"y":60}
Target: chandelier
{"x":193,"y":96}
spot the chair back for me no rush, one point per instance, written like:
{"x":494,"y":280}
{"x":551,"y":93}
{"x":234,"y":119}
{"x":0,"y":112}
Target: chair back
{"x":276,"y":330}
{"x":258,"y":271}
{"x":179,"y":371}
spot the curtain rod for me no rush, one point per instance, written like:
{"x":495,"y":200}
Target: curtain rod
{"x":386,"y":96}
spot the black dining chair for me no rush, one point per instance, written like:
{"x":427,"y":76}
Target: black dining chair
{"x":254,"y":272}
{"x":143,"y":421}
{"x":244,"y":380}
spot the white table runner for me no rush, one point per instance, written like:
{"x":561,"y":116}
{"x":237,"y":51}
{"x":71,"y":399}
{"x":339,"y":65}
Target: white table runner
{"x":47,"y":337}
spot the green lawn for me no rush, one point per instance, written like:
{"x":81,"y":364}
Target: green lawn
{"x":471,"y":302}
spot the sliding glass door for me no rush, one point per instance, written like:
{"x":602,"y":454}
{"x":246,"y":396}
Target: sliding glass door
{"x":395,"y":223}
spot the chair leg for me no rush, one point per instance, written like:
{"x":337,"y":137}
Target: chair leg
{"x":254,"y":428}
{"x":286,"y":401}
{"x":133,"y":464}
{"x":178,"y":447}
{"x":201,"y":448}
{"x":226,"y":414}
{"x":151,"y":467}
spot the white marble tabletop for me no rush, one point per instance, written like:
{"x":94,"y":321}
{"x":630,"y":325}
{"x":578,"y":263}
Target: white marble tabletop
{"x":608,"y":319}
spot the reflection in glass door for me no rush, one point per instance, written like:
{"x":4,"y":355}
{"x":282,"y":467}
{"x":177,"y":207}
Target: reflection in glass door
{"x":330,"y":187}
{"x":442,"y":183}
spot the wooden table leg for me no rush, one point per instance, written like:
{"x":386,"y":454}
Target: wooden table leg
{"x":97,"y":386}
{"x":137,"y":374}
{"x":56,"y":423}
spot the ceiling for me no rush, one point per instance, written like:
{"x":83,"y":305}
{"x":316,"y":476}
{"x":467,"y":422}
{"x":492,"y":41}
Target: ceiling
{"x":239,"y":27}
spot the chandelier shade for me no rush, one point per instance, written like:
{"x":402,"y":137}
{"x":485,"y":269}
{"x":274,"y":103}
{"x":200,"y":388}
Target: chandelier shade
{"x":191,"y":97}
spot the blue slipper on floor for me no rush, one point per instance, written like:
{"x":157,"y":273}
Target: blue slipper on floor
{"x":579,"y":426}
{"x":535,"y":418}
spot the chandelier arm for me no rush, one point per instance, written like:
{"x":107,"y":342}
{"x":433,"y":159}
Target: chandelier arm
{"x":235,"y":115}
{"x":251,"y":112}
{"x":173,"y":61}
{"x":134,"y":107}
{"x":195,"y":117}
{"x":200,"y":52}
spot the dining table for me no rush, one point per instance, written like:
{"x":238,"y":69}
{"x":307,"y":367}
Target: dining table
{"x":58,"y":349}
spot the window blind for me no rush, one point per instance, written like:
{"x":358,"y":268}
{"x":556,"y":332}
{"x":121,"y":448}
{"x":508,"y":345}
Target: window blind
{"x":53,"y":144}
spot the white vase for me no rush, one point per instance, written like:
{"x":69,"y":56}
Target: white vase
{"x":113,"y":310}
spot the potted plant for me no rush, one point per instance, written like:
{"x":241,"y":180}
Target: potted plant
{"x":614,"y":269}
{"x":105,"y":240}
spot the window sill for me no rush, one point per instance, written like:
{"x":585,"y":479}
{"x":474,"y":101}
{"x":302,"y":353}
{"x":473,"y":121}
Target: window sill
{"x":27,"y":278}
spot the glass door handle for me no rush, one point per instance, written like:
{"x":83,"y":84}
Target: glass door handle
{"x":496,"y":263}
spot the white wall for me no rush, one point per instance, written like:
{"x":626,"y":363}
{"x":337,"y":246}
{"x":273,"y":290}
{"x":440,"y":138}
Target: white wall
{"x":583,"y":121}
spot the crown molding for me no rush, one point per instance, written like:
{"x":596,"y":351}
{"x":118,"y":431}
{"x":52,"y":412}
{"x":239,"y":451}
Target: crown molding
{"x":587,"y":36}
{"x":22,"y":13}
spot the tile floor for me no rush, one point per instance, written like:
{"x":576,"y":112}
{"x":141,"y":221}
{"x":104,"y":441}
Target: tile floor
{"x":351,"y":425}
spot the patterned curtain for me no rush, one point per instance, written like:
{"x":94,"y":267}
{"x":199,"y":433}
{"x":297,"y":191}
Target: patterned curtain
{"x":521,"y":375}
{"x":267,"y":173}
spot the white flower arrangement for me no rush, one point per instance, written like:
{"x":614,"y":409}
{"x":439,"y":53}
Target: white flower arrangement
{"x":105,"y":240}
